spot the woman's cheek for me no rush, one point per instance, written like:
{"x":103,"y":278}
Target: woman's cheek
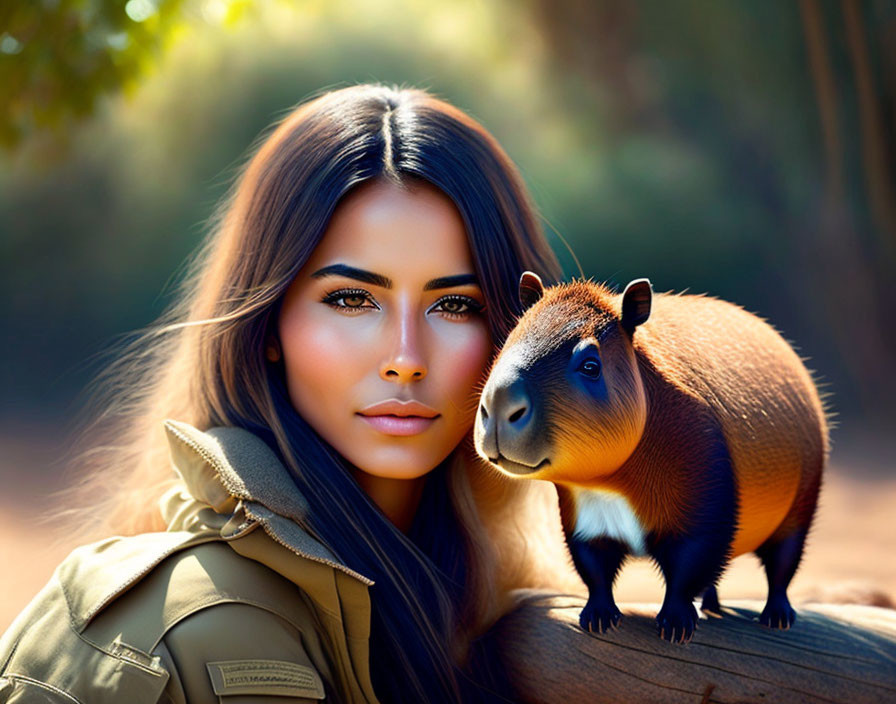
{"x":468,"y":355}
{"x":320,"y":357}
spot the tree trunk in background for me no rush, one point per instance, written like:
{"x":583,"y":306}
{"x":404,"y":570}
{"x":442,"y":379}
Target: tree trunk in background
{"x":595,"y":41}
{"x":875,"y":154}
{"x":835,"y":248}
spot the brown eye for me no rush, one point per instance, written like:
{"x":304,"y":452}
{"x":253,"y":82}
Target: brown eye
{"x":458,"y":306}
{"x":350,"y":299}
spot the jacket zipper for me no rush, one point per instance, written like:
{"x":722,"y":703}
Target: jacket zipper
{"x":213,"y":461}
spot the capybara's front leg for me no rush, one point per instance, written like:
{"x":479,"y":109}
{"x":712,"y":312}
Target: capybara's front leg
{"x":597,"y":561}
{"x":690,"y":565}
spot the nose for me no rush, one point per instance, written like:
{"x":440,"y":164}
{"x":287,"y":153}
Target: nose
{"x":505,"y":417}
{"x":405,"y":361}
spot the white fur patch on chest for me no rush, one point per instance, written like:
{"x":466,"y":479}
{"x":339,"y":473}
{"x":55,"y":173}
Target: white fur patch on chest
{"x":606,"y":514}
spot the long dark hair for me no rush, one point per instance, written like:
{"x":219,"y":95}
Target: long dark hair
{"x":205,"y":364}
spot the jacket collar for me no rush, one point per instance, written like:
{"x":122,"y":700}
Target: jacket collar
{"x":227,"y":467}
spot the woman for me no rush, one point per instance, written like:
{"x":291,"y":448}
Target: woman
{"x":330,"y":533}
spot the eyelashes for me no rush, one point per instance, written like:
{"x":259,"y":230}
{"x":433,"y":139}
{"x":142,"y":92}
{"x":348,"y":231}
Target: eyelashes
{"x":350,"y":300}
{"x":473,"y":307}
{"x":343,"y":294}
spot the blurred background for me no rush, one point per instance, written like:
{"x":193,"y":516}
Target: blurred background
{"x":744,"y":149}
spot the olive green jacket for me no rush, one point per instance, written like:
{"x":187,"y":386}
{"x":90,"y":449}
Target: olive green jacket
{"x":234,"y":604}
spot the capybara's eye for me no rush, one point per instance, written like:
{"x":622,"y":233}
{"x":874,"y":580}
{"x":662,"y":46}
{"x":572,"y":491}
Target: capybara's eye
{"x":590,"y":368}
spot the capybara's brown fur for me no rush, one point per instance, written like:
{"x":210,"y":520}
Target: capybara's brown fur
{"x":676,"y":426}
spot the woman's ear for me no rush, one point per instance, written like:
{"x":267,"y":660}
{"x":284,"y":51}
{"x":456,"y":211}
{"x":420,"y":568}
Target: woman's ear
{"x":272,"y":350}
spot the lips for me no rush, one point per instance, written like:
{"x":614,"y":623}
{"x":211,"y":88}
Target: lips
{"x":394,"y":417}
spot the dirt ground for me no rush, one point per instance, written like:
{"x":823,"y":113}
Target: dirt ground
{"x":850,"y":557}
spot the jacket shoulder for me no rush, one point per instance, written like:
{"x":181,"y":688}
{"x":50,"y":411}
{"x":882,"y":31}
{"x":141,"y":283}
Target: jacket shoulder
{"x":189,"y":581}
{"x":87,"y":623}
{"x":239,"y":650}
{"x":223,"y":625}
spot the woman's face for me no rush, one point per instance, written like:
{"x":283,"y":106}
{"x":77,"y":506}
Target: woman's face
{"x":388,"y":312}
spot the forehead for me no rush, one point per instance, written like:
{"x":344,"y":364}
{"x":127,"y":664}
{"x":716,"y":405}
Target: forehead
{"x":566,"y":314}
{"x":396,"y":231}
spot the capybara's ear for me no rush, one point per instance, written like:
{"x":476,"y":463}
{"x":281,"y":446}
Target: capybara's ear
{"x":636,"y":303}
{"x":531,"y":288}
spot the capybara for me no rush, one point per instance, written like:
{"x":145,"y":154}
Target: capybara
{"x":679,"y":427}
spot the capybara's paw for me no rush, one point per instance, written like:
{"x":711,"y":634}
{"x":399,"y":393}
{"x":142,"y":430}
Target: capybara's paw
{"x":710,"y":603}
{"x":599,"y":616}
{"x":778,"y":613}
{"x":677,"y":621}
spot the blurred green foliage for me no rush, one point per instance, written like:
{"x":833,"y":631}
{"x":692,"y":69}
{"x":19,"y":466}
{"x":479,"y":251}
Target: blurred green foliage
{"x":680,"y":141}
{"x":57,"y":57}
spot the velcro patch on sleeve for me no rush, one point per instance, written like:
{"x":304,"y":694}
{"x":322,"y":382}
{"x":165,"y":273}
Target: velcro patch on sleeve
{"x":271,"y":677}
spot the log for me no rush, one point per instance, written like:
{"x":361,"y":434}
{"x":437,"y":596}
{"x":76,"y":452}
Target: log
{"x":833,"y":653}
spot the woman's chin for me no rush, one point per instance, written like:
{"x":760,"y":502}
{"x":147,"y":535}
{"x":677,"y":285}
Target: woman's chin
{"x":396,"y":463}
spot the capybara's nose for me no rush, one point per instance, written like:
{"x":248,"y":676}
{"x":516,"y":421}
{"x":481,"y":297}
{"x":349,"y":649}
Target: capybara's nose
{"x":505,"y":412}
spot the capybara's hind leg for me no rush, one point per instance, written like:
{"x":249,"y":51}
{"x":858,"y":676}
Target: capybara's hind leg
{"x":710,"y":602}
{"x":780,"y":558}
{"x":781,"y":553}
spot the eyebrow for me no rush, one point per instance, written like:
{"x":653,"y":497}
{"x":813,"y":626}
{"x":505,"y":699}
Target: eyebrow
{"x":370,"y":277}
